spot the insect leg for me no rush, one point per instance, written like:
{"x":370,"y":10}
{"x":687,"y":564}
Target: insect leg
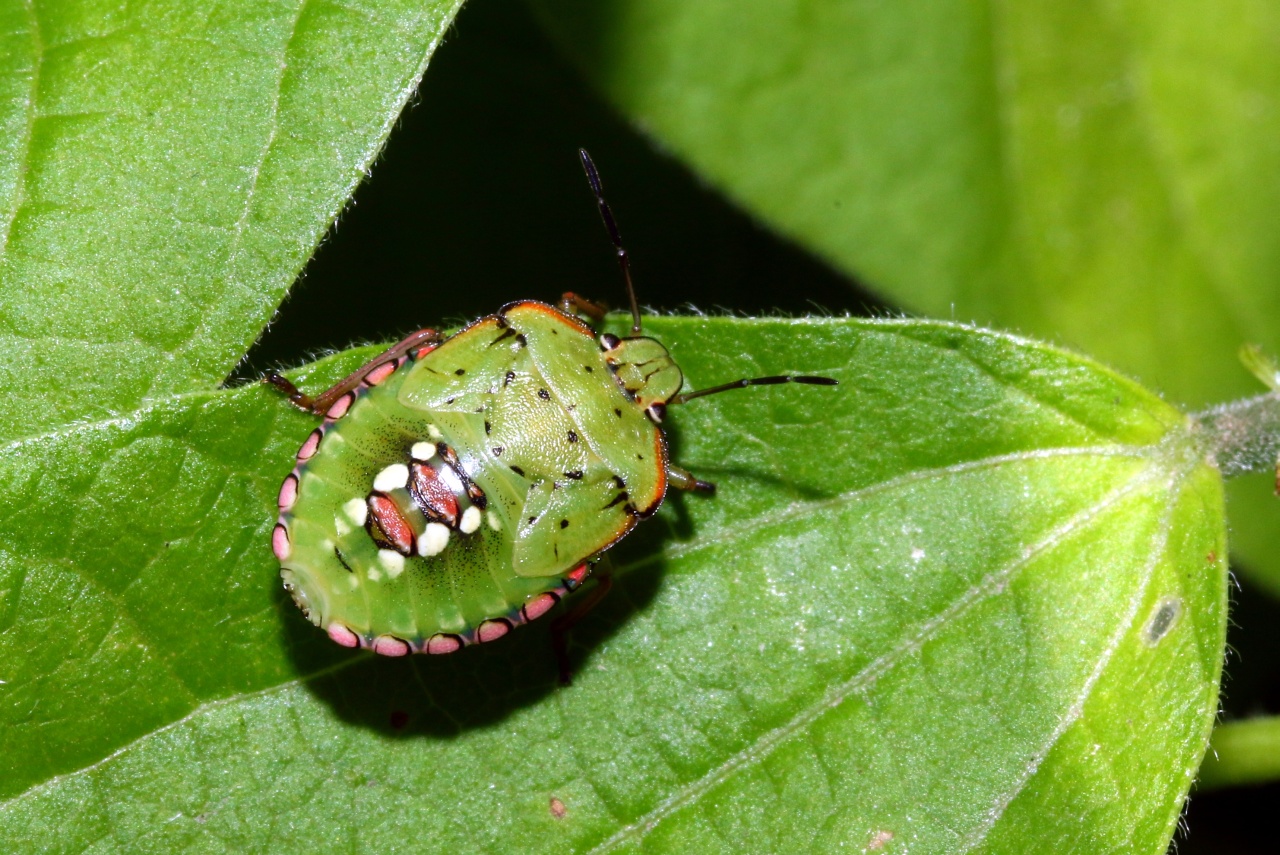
{"x":572,"y":304}
{"x":683,"y":479}
{"x":299,"y":399}
{"x":320,"y":405}
{"x":560,"y":626}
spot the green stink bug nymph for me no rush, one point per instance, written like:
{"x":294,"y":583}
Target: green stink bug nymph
{"x":459,"y":487}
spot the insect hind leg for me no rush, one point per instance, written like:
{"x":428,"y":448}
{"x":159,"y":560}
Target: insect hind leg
{"x":410,"y":345}
{"x":560,"y":626}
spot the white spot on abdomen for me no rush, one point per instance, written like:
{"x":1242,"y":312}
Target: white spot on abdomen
{"x":357,"y":511}
{"x":394,"y":477}
{"x":391,"y":561}
{"x":423,"y":451}
{"x":433,"y":540}
{"x":470,"y":520}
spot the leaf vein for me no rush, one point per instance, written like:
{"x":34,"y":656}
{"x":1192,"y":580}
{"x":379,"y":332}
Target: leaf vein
{"x":19,"y":185}
{"x":196,"y":712}
{"x":1160,"y":541}
{"x":762,"y":747}
{"x":801,"y":509}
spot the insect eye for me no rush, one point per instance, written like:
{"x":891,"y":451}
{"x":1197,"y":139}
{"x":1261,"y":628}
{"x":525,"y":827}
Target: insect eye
{"x":657,"y":411}
{"x":609,"y":341}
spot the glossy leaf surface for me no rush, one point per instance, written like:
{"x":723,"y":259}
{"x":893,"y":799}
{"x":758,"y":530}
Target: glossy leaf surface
{"x":165,"y":170}
{"x":970,"y":595}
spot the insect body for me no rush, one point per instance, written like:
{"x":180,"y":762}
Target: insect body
{"x":461,"y":487}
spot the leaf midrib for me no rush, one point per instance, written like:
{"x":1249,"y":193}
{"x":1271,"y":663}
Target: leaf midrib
{"x":805,"y":508}
{"x":763,"y":745}
{"x":1159,"y":542}
{"x":20,"y":182}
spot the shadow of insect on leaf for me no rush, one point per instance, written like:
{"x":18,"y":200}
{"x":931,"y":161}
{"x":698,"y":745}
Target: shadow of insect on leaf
{"x":752,"y":473}
{"x":441,"y":696}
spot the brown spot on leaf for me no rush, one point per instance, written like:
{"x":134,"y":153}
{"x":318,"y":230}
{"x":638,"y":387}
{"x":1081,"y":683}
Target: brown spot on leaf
{"x":878,"y":840}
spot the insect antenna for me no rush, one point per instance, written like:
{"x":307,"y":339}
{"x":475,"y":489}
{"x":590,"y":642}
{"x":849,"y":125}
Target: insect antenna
{"x":624,"y":260}
{"x":755,"y":381}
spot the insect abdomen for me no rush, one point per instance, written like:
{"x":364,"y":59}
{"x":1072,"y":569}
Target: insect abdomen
{"x":389,"y":539}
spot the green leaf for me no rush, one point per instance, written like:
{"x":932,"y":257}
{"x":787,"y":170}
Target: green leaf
{"x":1243,"y":753}
{"x":964,"y":599}
{"x":165,"y":170}
{"x":1102,"y":174}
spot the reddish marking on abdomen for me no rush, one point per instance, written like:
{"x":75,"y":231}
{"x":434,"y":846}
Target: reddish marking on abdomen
{"x":576,"y":576}
{"x":288,"y":493}
{"x":380,"y":372}
{"x":387,"y":517}
{"x":280,"y":542}
{"x":539,"y":606}
{"x":309,"y":447}
{"x":340,"y":406}
{"x":492,"y":630}
{"x":343,"y":636}
{"x":432,"y":495}
{"x":387,"y":645}
{"x":441,"y":643}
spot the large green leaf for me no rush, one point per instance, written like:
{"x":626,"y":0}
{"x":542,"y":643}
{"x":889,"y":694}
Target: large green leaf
{"x":1104,"y":174}
{"x":971,"y":599}
{"x":166,"y":167}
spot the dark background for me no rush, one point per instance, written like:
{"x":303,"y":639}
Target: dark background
{"x":479,"y":199}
